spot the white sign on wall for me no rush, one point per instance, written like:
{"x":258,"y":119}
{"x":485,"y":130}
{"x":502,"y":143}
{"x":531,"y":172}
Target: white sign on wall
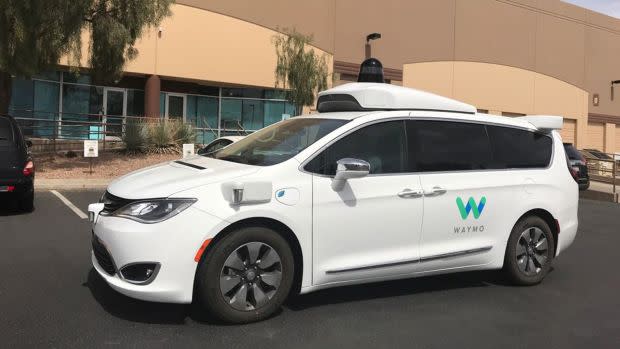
{"x":286,"y":116}
{"x":91,"y":149}
{"x":188,"y":150}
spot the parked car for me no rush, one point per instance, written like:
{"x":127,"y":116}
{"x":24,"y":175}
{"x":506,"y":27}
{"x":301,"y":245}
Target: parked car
{"x":601,"y":164}
{"x":219,"y":143}
{"x":578,"y":166}
{"x":384,"y":183}
{"x":598,"y":154}
{"x":16,"y":165}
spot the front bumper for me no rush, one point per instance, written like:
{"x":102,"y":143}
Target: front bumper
{"x":172,"y":243}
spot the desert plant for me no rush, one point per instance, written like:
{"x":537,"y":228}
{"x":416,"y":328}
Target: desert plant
{"x":299,"y":69}
{"x":159,"y":137}
{"x":134,"y":137}
{"x":184,"y":133}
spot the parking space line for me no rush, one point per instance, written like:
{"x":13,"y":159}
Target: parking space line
{"x":70,"y":205}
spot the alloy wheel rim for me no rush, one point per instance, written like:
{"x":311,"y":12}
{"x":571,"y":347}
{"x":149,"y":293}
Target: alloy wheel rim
{"x":532,"y":249}
{"x":251,"y":276}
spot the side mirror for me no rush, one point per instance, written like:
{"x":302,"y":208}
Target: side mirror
{"x":29,"y":143}
{"x":349,"y":168}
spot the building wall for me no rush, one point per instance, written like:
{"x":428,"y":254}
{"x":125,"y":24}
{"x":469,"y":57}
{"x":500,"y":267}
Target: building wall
{"x":503,"y":90}
{"x":222,"y":42}
{"x":204,"y":46}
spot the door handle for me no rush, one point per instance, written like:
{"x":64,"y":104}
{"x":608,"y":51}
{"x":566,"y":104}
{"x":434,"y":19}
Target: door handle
{"x":408,"y":193}
{"x":435,"y":191}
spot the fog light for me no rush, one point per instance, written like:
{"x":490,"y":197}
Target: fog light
{"x":140,"y":273}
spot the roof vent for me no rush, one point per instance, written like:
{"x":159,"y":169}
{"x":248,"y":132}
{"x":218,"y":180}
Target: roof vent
{"x":366,"y":96}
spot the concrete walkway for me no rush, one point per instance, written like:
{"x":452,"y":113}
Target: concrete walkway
{"x":72,"y":183}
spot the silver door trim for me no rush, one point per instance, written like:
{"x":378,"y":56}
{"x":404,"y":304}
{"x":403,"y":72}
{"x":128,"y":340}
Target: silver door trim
{"x":412,"y":261}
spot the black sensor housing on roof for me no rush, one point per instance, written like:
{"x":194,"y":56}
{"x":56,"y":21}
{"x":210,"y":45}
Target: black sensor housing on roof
{"x":371,"y":70}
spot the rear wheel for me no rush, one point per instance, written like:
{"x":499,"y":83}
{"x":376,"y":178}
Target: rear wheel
{"x":247,"y":276}
{"x":529,"y":252}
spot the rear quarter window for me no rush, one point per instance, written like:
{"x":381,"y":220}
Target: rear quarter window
{"x":516,"y":148}
{"x":572,"y":153}
{"x":6,"y":131}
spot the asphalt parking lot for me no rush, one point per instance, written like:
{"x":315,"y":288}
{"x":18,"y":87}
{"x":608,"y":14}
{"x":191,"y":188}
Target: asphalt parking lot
{"x":51,"y":297}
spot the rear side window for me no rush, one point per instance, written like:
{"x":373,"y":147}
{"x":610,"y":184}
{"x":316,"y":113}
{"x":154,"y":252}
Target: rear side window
{"x":6,"y":131}
{"x":572,"y":153}
{"x":382,"y":145}
{"x":448,"y":146}
{"x":515,"y":148}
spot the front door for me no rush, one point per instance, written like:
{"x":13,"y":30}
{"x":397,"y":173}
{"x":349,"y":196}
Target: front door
{"x":114,"y":106}
{"x":370,"y":227}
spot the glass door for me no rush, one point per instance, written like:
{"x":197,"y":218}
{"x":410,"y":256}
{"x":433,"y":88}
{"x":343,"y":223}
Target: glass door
{"x":175,"y":106}
{"x":114,"y":107}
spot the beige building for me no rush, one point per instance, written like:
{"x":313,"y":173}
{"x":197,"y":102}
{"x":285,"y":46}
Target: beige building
{"x":212,"y":62}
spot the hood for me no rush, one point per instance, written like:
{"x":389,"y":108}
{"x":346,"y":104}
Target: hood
{"x":166,"y":179}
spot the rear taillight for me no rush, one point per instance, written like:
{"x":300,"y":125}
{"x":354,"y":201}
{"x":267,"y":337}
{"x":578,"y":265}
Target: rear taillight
{"x":28,"y":169}
{"x":572,"y":171}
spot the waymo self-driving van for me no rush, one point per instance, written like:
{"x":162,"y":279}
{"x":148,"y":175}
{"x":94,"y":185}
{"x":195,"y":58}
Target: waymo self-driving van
{"x":384,"y":183}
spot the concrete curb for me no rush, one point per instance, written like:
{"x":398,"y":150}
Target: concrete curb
{"x":72,"y":183}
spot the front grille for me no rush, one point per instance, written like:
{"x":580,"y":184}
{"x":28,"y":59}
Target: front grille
{"x":103,"y":256}
{"x":112,"y":203}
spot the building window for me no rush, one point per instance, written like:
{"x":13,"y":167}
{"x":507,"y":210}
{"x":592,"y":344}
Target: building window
{"x":61,"y":103}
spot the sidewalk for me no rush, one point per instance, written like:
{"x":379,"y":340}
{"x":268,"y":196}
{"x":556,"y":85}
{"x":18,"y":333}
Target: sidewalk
{"x":71,"y":183}
{"x":600,"y":191}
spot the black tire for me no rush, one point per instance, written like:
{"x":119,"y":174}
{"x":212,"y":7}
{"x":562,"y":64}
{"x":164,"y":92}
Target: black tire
{"x":212,"y":266}
{"x":515,"y":270}
{"x":26,"y":202}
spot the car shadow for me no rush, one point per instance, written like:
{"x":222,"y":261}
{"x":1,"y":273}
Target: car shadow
{"x":130,"y":309}
{"x":404,"y":287}
{"x":9,"y":207}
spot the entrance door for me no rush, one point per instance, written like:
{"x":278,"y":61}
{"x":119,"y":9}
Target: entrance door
{"x":175,"y":106}
{"x":114,"y":106}
{"x":370,"y":227}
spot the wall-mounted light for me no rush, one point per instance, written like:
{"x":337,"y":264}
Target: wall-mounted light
{"x":612,"y":88}
{"x":595,"y":99}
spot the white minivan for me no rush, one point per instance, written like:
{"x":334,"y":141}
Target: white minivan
{"x":383,"y":183}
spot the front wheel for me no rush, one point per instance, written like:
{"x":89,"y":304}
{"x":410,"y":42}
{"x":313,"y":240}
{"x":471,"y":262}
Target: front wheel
{"x":246,"y":276}
{"x":529,"y":252}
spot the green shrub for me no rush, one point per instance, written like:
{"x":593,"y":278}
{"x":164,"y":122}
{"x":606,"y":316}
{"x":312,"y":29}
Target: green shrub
{"x":184,"y":133}
{"x":134,"y":137}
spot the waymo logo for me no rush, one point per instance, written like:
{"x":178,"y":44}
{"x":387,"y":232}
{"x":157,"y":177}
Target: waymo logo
{"x":471,"y":207}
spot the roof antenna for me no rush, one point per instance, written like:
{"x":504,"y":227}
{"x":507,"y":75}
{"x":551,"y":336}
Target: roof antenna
{"x":371,"y":70}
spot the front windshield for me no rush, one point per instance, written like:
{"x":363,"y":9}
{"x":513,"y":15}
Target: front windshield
{"x":278,"y":142}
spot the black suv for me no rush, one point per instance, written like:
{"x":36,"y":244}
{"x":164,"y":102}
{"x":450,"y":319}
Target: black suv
{"x":16,"y":166}
{"x":578,"y":166}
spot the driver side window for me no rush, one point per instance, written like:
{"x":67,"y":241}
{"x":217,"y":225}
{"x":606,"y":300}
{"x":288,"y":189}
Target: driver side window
{"x":382,"y":145}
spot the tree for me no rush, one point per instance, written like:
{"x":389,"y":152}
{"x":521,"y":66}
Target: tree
{"x":35,"y":34}
{"x":299,"y":70}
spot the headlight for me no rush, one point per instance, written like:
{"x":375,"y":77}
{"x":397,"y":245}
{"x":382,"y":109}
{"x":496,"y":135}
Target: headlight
{"x":153,"y":211}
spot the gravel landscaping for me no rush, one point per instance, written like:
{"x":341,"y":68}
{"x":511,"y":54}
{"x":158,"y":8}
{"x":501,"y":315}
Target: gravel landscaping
{"x":107,"y":165}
